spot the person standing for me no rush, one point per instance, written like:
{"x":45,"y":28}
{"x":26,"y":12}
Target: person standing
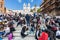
{"x":38,"y":31}
{"x":27,"y":19}
{"x":44,"y":35}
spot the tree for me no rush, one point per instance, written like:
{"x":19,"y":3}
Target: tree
{"x":31,"y":10}
{"x":45,"y":0}
{"x":39,"y":10}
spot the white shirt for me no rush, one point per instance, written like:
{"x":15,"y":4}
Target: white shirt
{"x":7,"y":29}
{"x":58,"y":33}
{"x":37,"y":33}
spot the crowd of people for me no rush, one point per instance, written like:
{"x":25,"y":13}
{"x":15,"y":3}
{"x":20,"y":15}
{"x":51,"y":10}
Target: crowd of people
{"x":45,"y":27}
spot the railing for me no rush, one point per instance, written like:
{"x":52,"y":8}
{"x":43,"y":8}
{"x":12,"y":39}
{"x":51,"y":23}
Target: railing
{"x":57,"y":0}
{"x":45,"y":3}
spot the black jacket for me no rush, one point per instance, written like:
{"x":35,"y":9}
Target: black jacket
{"x":38,"y":34}
{"x":22,"y":32}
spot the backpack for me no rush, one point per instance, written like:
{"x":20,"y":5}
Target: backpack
{"x":44,"y":36}
{"x":54,"y":28}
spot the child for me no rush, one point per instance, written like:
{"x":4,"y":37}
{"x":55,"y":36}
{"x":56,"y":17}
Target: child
{"x":10,"y":36}
{"x":38,"y":32}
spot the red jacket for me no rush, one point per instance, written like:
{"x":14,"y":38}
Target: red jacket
{"x":44,"y":36}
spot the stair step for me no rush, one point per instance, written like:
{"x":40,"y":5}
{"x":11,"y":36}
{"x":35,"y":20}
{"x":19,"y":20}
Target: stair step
{"x":17,"y":31}
{"x":26,"y":38}
{"x":17,"y":34}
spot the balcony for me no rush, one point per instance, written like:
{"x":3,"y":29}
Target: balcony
{"x":44,"y":3}
{"x":57,"y":0}
{"x":42,"y":9}
{"x":58,"y":6}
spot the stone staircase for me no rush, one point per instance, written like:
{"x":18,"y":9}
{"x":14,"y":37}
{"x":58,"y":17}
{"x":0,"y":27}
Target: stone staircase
{"x":18,"y":36}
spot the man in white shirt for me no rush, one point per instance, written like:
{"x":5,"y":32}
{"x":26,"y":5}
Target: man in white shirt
{"x":58,"y":34}
{"x":7,"y":30}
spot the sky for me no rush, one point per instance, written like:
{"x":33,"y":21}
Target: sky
{"x":18,"y":4}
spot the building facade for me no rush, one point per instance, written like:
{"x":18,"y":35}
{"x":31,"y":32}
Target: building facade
{"x":50,"y":7}
{"x":26,"y":8}
{"x":2,"y":6}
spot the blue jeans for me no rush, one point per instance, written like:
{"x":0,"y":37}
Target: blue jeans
{"x":28,"y":23}
{"x":2,"y":33}
{"x":49,"y":38}
{"x":58,"y":37}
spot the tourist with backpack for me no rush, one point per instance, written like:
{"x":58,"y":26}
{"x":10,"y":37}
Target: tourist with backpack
{"x":44,"y":35}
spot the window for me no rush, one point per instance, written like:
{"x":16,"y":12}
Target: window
{"x":51,"y":1}
{"x":2,"y":0}
{"x":58,"y":0}
{"x":0,"y":5}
